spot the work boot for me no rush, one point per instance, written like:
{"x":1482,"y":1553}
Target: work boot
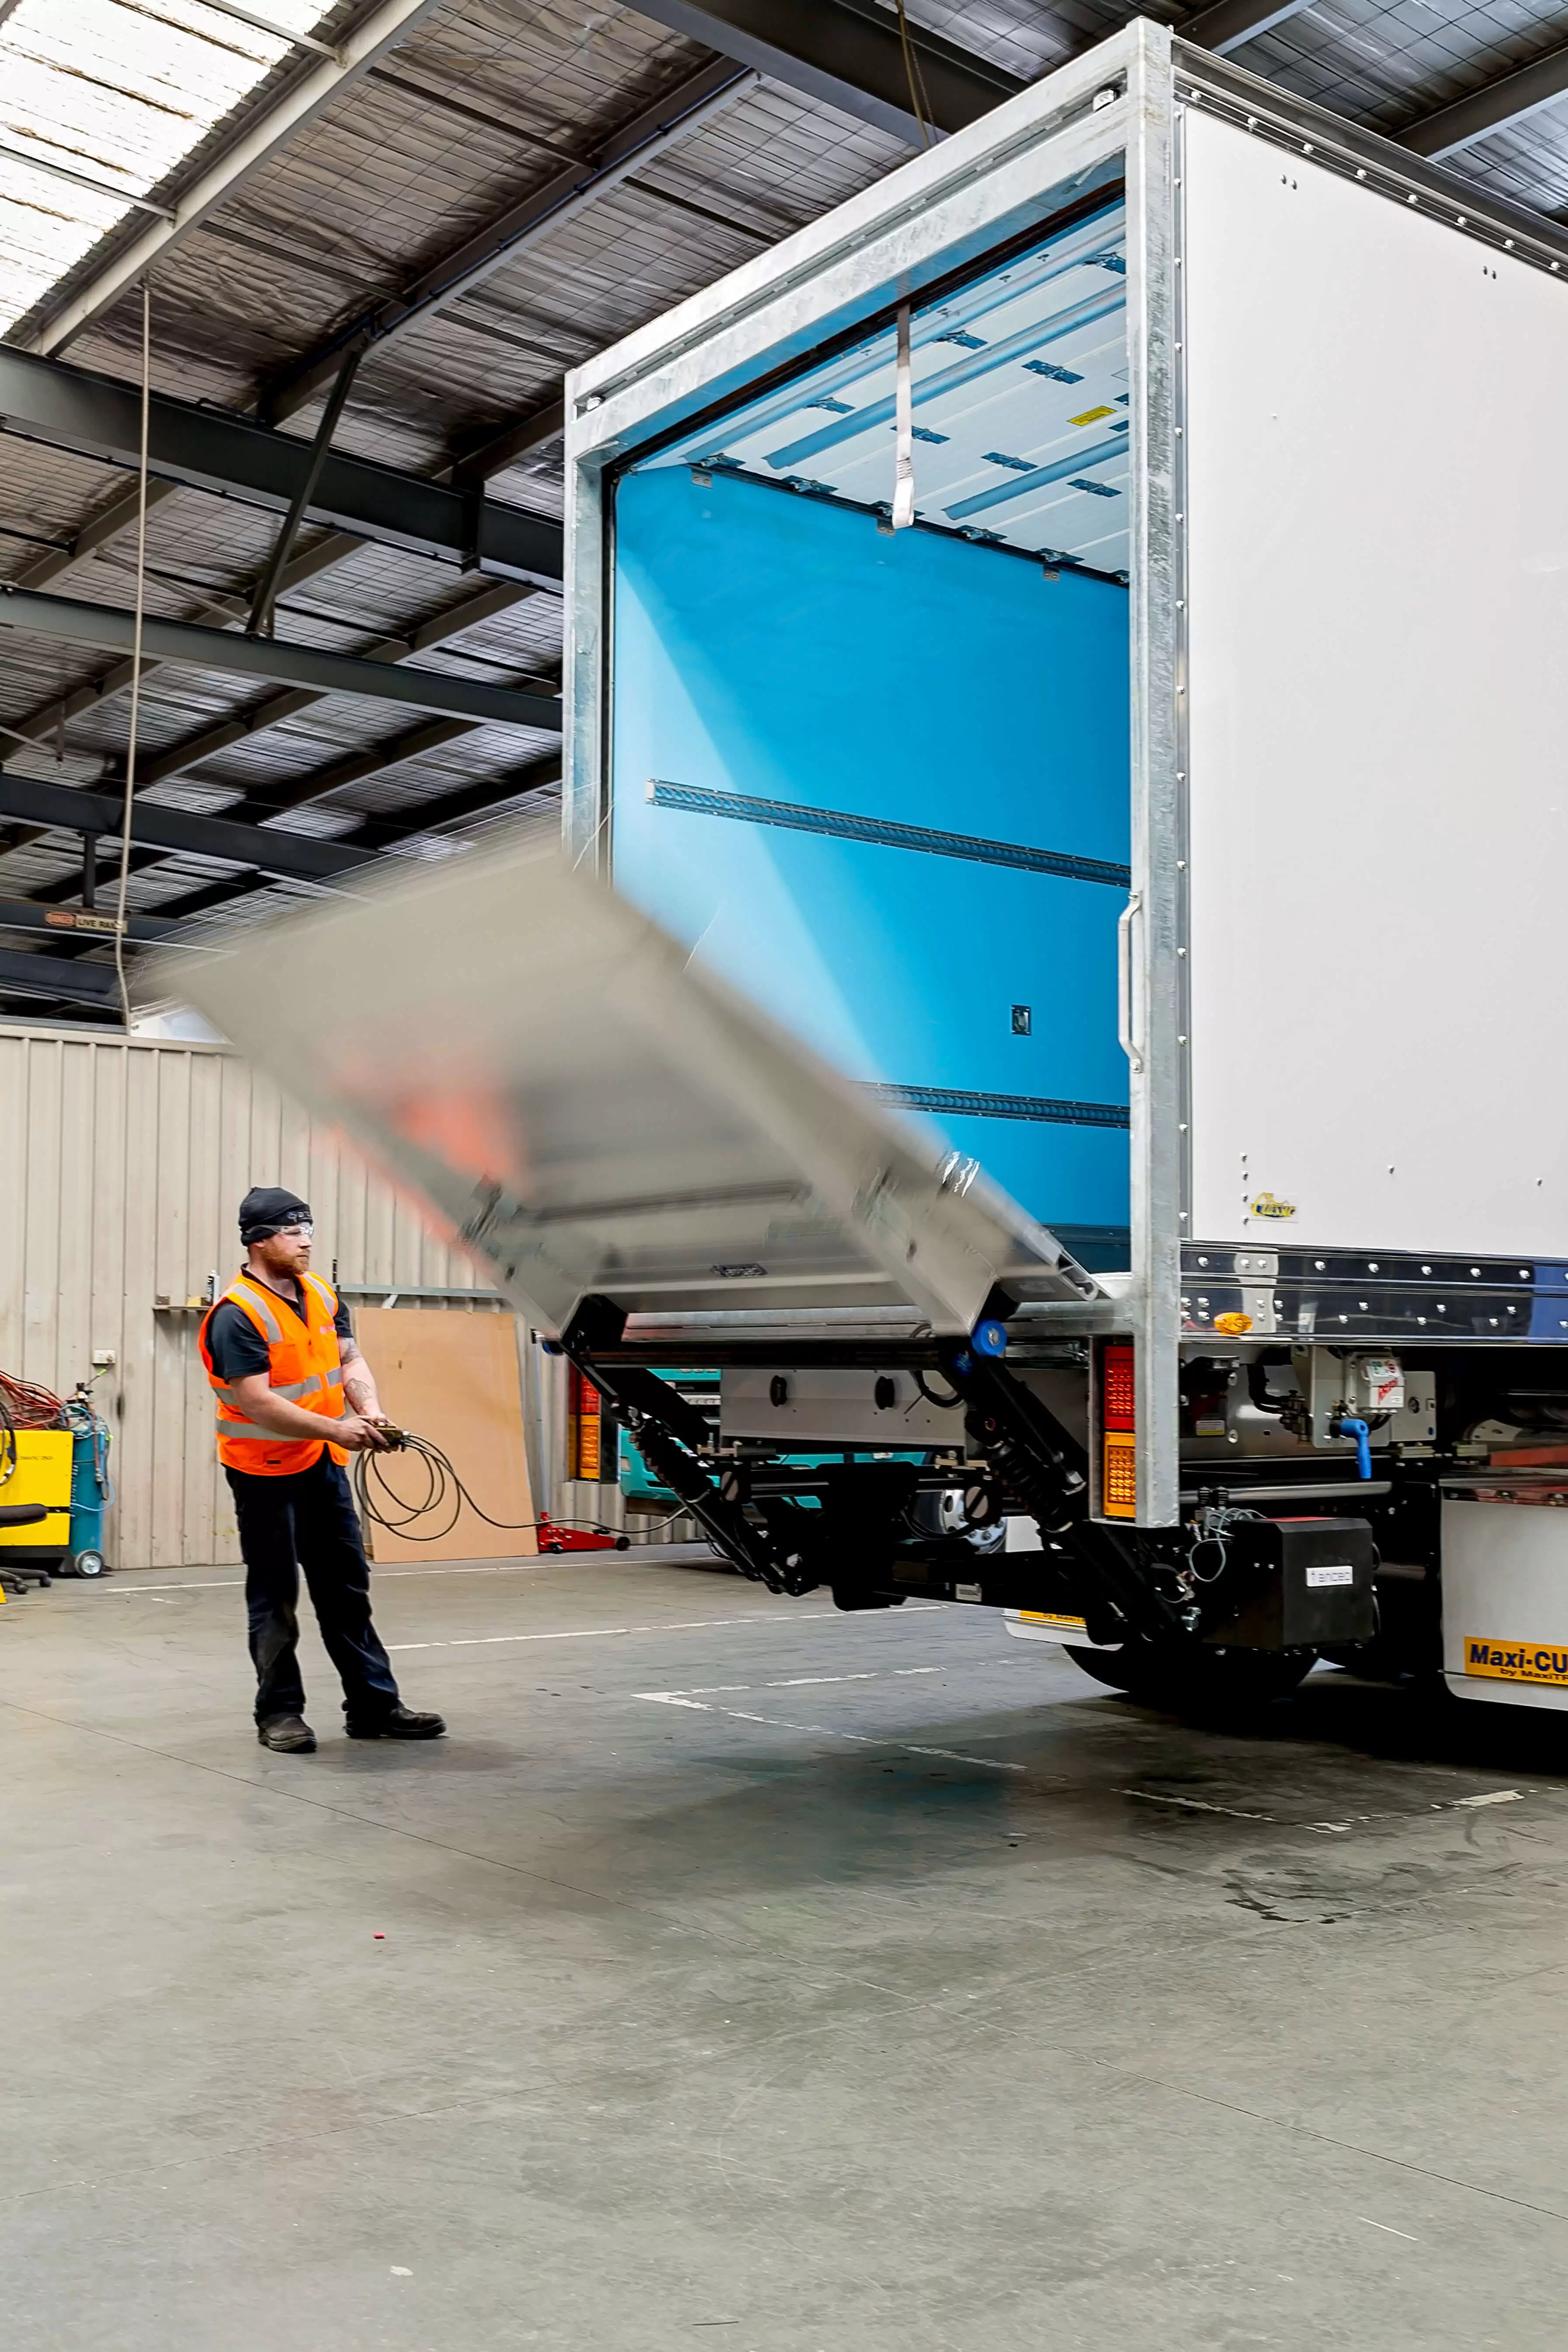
{"x":290,"y":1735}
{"x":398,"y":1722}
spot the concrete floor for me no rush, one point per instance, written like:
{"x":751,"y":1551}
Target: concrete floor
{"x":807,"y":1983}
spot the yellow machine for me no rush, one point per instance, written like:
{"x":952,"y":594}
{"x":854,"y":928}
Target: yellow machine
{"x":42,"y":1474}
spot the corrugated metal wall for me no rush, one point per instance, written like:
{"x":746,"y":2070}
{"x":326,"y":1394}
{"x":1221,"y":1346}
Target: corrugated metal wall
{"x":123,"y":1162}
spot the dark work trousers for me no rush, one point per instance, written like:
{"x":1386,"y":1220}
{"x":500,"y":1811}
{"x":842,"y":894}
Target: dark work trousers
{"x":307,"y":1521}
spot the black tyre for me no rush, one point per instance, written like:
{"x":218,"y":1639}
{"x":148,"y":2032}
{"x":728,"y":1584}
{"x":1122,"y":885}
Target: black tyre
{"x":1194,"y":1678}
{"x":1112,"y":1667}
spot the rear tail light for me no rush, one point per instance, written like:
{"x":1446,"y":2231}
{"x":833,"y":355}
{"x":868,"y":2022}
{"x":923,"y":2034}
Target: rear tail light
{"x":1117,"y":1430}
{"x":584,"y":1428}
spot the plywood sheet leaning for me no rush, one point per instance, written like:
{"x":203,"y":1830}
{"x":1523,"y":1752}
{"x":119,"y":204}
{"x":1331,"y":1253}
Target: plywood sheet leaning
{"x":452,"y":1376}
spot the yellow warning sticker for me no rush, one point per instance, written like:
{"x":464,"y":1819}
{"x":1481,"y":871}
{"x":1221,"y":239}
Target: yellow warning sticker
{"x":1092,"y":416}
{"x":1517,"y":1662}
{"x":1265,"y":1205}
{"x":1049,"y":1617}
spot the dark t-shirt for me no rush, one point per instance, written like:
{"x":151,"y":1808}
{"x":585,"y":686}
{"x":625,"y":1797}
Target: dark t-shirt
{"x":237,"y":1347}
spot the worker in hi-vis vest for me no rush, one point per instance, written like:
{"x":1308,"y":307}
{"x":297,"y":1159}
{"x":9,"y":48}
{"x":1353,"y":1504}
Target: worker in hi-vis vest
{"x":295,"y":1398}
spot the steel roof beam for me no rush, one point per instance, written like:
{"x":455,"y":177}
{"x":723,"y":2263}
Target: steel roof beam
{"x":260,"y":138}
{"x":292,"y":856}
{"x":669,"y":119}
{"x":246,"y":725}
{"x":266,"y":800}
{"x":233,"y":457}
{"x":50,"y":719}
{"x":461,"y":807}
{"x":259,"y":808}
{"x":118,"y":513}
{"x":849,"y":56}
{"x":1231,"y":23}
{"x":69,"y":983}
{"x":67,"y":621}
{"x":373,"y":833}
{"x":479,"y":455}
{"x":299,"y":791}
{"x":1496,"y":106}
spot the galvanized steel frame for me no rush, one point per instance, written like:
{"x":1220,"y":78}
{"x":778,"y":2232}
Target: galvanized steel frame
{"x":1159,"y":845}
{"x":951,"y":206}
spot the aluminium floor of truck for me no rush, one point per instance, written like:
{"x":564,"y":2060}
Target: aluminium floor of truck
{"x":744,"y":1972}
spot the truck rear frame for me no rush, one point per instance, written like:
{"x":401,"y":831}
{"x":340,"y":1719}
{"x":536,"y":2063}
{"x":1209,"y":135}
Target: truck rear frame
{"x":1256,"y":1338}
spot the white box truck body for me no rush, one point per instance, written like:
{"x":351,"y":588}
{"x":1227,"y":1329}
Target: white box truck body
{"x":1075,"y":637}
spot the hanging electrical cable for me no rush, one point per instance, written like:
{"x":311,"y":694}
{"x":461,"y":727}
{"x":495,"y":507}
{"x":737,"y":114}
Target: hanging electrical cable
{"x":919,"y":102}
{"x":140,"y":612}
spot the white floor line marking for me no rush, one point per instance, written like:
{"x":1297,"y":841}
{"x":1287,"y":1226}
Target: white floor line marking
{"x":600,"y":1632}
{"x":144,"y":1591}
{"x":704,"y":1690}
{"x":383,"y":1575}
{"x":826,"y":1731}
{"x":799,"y":1682}
{"x":787,"y":1682}
{"x":1498,"y":1797}
{"x":1388,"y":2226}
{"x":1191,"y":1804}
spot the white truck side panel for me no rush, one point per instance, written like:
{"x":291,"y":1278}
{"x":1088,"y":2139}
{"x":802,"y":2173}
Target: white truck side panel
{"x":1505,"y":1603}
{"x":1377,"y":519}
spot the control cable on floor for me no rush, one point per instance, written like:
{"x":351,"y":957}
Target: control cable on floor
{"x":445,"y":1494}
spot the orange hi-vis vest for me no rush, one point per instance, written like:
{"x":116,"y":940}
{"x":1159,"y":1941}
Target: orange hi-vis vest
{"x":304,"y":1364}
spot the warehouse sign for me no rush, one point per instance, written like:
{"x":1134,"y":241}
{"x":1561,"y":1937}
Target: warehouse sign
{"x":80,"y":918}
{"x":1516,"y":1662}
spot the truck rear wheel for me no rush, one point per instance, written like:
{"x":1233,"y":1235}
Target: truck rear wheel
{"x":946,"y":1514}
{"x":1116,"y":1668}
{"x":1183,"y":1676}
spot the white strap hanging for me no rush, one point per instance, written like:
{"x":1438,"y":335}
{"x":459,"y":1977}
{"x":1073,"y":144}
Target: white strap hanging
{"x":904,"y":428}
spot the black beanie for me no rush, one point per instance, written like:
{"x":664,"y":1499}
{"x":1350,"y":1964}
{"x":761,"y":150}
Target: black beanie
{"x":267,"y":1209}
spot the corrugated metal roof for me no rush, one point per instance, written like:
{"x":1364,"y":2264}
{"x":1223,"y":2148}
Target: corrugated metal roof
{"x":103,"y":102}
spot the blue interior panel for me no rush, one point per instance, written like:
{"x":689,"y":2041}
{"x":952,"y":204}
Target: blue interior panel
{"x":778,"y":650}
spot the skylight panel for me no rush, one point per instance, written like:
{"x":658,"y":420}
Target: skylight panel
{"x":99,"y":100}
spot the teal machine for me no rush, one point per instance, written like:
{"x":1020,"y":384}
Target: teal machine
{"x":92,"y":1490}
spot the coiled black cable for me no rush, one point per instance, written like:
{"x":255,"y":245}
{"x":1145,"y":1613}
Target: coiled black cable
{"x":379,"y":1501}
{"x":444,"y":1492}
